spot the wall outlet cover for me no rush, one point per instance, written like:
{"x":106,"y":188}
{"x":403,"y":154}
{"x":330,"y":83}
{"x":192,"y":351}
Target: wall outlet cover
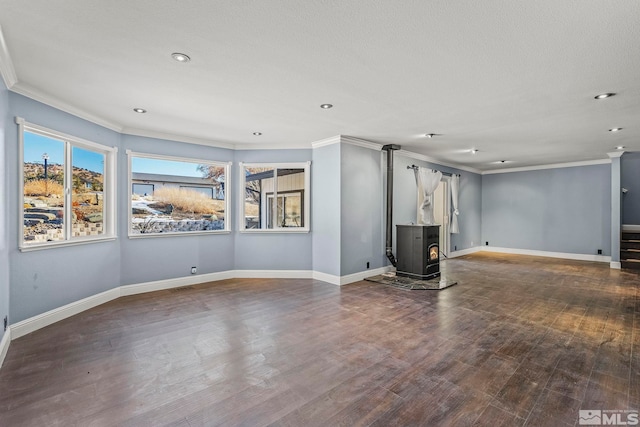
{"x":193,"y":270}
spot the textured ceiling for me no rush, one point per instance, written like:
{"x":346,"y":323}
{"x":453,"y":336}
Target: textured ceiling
{"x":514,"y":79}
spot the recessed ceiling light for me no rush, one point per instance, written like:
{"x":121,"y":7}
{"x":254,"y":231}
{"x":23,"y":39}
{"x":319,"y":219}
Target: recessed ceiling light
{"x":474,"y":150}
{"x":140,"y":110}
{"x":257,"y":133}
{"x":326,"y":106}
{"x":604,"y":95}
{"x":431,"y":135}
{"x":180,"y":57}
{"x":620,"y":147}
{"x":615,"y":130}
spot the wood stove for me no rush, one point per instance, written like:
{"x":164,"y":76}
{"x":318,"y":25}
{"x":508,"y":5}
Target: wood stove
{"x":418,"y":253}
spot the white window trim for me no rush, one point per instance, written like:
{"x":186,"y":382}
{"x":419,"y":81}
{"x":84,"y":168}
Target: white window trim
{"x":109,"y":192}
{"x":307,"y":197}
{"x":227,"y":192}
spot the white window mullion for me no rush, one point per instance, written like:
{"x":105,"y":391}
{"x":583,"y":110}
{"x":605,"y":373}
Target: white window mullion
{"x":274,"y":205}
{"x":68,"y":184}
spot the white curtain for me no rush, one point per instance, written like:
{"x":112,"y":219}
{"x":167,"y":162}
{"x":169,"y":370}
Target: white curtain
{"x":455,"y":185}
{"x":429,"y":180}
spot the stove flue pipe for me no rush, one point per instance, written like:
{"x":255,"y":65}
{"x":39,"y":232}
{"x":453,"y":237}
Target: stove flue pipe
{"x":390,"y":148}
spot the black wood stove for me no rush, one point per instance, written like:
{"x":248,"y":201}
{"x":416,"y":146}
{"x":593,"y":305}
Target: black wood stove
{"x":418,"y":254}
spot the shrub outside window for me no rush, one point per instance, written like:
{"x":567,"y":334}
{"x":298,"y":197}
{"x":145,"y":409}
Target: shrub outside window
{"x":276,"y":197}
{"x":176,"y":196}
{"x":67,"y":189}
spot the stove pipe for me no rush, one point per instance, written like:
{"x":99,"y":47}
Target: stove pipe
{"x":389,"y":148}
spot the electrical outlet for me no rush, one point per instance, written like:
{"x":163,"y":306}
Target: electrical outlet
{"x":486,"y":243}
{"x":367,"y":264}
{"x":599,"y":251}
{"x":5,"y":323}
{"x":193,"y":270}
{"x":455,"y":248}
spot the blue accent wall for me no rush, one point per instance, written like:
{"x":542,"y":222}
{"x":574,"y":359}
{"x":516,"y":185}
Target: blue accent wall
{"x":564,"y":210}
{"x":362,"y":236}
{"x":46,"y":279}
{"x":325,"y":209}
{"x":269,"y":251}
{"x":630,"y":163}
{"x":4,"y":202}
{"x":158,"y":258}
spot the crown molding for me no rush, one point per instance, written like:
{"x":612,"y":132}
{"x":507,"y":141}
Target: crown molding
{"x":552,"y":166}
{"x":327,"y":141}
{"x":38,"y":95}
{"x":360,"y":142}
{"x":178,"y":138}
{"x":7,"y":69}
{"x":255,"y":146}
{"x":347,"y":140}
{"x":422,"y":157}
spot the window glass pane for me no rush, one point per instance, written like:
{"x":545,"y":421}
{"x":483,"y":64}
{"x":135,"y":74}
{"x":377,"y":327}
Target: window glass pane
{"x":87,"y":192}
{"x":292,"y":210}
{"x":258,"y":183}
{"x":170,"y":196}
{"x":260,"y":188}
{"x":44,"y":181}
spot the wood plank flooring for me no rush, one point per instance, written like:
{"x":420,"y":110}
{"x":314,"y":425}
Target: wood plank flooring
{"x":519,"y":341}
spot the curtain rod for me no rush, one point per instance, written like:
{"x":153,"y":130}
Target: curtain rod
{"x":415,"y":168}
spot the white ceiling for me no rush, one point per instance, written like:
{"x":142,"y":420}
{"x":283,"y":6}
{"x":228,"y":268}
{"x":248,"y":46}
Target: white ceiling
{"x":512,"y":78}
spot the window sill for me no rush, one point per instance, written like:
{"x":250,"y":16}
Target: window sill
{"x":178,"y":234}
{"x":277,"y":230}
{"x":74,"y":242}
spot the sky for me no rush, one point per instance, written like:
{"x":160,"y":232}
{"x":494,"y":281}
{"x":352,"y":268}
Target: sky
{"x":164,"y":167}
{"x":36,"y":145}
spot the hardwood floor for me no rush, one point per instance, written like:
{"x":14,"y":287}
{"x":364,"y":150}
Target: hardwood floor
{"x":519,"y":341}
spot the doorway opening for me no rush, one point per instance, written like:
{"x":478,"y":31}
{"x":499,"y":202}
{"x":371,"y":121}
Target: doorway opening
{"x":440,"y":200}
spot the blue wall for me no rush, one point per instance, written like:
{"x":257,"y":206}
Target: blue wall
{"x":270,"y":251}
{"x":4,"y":202}
{"x":46,"y":279}
{"x":630,"y":163}
{"x":557,"y":210}
{"x":325,"y":209}
{"x":362,"y":237}
{"x":157,"y":258}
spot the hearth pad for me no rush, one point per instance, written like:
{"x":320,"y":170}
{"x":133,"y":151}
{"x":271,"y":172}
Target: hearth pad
{"x":409,"y":284}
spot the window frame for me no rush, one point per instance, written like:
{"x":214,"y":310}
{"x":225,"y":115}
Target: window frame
{"x":227,"y":195}
{"x":306,"y":199}
{"x":109,"y":187}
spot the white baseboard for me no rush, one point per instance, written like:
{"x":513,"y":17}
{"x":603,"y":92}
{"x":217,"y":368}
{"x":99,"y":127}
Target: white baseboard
{"x":361,"y":275}
{"x":4,"y":345}
{"x":463,"y":252}
{"x":272,"y":274}
{"x":325,"y":277}
{"x":616,"y":265}
{"x":564,"y":255}
{"x":631,"y":227}
{"x":160,"y":285}
{"x":52,"y":316}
